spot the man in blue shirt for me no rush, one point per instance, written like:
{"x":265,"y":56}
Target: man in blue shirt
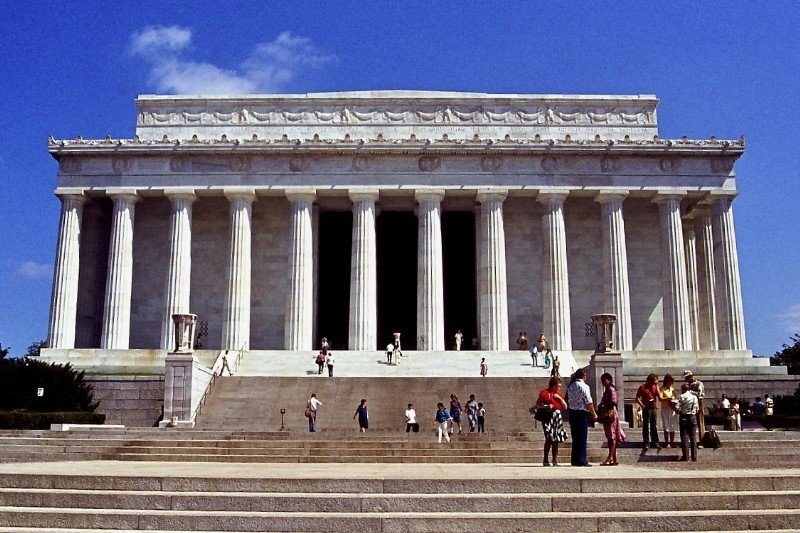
{"x":581,"y":413}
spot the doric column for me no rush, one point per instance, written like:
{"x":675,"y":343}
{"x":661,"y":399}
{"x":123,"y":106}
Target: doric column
{"x":730,"y":316}
{"x":299,"y":320}
{"x":674,"y":292}
{"x":119,"y":280}
{"x":690,"y":252}
{"x":178,"y":283}
{"x":430,"y":283}
{"x":707,"y":320}
{"x":616,"y":290}
{"x":363,"y":272}
{"x":64,"y":303}
{"x":555,"y":277}
{"x":492,"y":263}
{"x":236,"y":328}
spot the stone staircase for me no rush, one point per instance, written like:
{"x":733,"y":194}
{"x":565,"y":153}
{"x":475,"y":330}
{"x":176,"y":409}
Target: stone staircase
{"x":349,"y":498}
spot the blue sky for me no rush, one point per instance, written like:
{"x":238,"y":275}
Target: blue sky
{"x":74,"y":68}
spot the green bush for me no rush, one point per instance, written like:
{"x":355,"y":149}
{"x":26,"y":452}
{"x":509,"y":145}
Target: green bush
{"x":64,"y":388}
{"x":34,"y":420}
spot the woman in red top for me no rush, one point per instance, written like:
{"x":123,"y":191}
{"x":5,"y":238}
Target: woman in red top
{"x":550,"y":398}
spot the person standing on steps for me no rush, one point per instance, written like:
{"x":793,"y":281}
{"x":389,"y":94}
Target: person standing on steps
{"x":459,"y":339}
{"x":311,"y":412}
{"x":411,"y":419}
{"x":554,"y":434}
{"x":581,"y":414}
{"x":481,"y":418}
{"x":472,"y":413}
{"x":442,"y":421}
{"x":769,"y":405}
{"x":325,"y":345}
{"x":389,"y":352}
{"x":669,"y":419}
{"x":687,"y":409}
{"x":609,"y":416}
{"x":330,"y":361}
{"x":556,"y":371}
{"x":534,"y":355}
{"x":225,"y":365}
{"x":647,"y":398}
{"x":455,"y":413}
{"x":484,"y":367}
{"x":321,"y":360}
{"x":699,"y":390}
{"x":398,"y":352}
{"x":363,"y":416}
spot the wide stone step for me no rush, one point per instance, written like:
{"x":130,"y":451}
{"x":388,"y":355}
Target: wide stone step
{"x":767,"y":519}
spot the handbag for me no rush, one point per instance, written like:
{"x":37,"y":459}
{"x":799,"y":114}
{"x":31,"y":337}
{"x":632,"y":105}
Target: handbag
{"x":604,"y":415}
{"x":543,"y":414}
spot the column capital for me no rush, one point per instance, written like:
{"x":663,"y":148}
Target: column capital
{"x":239,"y":193}
{"x":429,"y":195}
{"x":493,"y":194}
{"x":548,"y":195}
{"x":74,"y":194}
{"x":305,"y":194}
{"x":123,"y":193}
{"x":715,"y":197}
{"x":664,"y":195}
{"x":180,"y":194}
{"x":611,"y":195}
{"x":364,"y":195}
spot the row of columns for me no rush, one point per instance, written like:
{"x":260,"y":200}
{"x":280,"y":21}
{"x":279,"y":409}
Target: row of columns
{"x":700,"y":273}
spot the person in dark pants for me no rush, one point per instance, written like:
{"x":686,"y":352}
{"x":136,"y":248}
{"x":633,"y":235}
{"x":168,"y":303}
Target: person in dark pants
{"x":687,"y":408}
{"x":581,"y":414}
{"x":648,"y":399}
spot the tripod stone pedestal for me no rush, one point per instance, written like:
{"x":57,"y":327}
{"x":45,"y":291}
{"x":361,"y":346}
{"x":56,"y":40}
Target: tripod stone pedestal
{"x":606,"y":359}
{"x":180,"y":365}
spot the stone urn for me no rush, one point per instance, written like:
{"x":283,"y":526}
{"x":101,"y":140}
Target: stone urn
{"x":185,"y":325}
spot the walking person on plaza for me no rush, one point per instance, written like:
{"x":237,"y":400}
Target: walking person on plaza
{"x":398,"y":352}
{"x":324,"y":344}
{"x":647,"y":398}
{"x":330,"y":361}
{"x":581,"y":414}
{"x":551,"y":399}
{"x":481,"y":418}
{"x":556,"y":371}
{"x":472,"y":413}
{"x":687,"y":409}
{"x":459,"y":339}
{"x":669,"y":418}
{"x":311,"y":412}
{"x":697,"y":388}
{"x":534,"y":356}
{"x":608,"y":415}
{"x":321,"y":360}
{"x":455,"y":413}
{"x":363,"y":416}
{"x":411,"y":419}
{"x":484,"y":367}
{"x":522,"y":341}
{"x":442,"y":421}
{"x":389,"y":352}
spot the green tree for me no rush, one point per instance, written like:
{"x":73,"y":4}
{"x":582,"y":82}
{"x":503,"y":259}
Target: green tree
{"x":35,"y":349}
{"x":789,"y":356}
{"x":3,"y":351}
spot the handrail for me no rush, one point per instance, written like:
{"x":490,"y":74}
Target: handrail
{"x":216,"y":371}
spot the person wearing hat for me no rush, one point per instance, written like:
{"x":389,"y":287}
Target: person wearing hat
{"x":697,"y":388}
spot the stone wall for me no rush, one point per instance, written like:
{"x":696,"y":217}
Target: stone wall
{"x":135,"y":401}
{"x":745,"y":387}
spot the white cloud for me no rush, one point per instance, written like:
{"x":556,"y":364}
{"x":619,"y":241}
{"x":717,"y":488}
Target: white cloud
{"x":791,"y":319}
{"x":269,"y":67}
{"x":33,"y":270}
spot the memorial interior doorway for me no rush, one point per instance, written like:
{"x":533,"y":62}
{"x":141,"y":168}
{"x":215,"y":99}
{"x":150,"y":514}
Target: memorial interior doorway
{"x":333,"y":293}
{"x":396,"y":233}
{"x":460,"y":295}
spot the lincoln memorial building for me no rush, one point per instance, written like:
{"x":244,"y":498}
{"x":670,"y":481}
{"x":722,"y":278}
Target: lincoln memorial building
{"x":281,"y":219}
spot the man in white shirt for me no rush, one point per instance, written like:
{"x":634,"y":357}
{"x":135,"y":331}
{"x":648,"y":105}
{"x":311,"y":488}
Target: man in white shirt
{"x":688,"y":406}
{"x":330,"y":361}
{"x":411,"y":419}
{"x":769,"y":405}
{"x":311,"y":410}
{"x":581,"y":414}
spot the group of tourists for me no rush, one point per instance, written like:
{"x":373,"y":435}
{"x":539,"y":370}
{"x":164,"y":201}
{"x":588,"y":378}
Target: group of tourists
{"x":541,"y":346}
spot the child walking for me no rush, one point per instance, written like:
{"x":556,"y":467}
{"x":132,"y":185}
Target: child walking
{"x":481,"y":418}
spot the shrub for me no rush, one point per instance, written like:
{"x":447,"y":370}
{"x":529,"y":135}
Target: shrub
{"x":34,"y":420}
{"x":64,"y":388}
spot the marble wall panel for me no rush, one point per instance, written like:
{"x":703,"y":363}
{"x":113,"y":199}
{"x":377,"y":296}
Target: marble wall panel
{"x":523,"y":229}
{"x":644,"y":273}
{"x":270,"y":281}
{"x":150,"y":263}
{"x":210,"y":256}
{"x":582,"y":224}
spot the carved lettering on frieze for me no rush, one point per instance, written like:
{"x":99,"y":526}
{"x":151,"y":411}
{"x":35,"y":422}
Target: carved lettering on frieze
{"x":71,"y":165}
{"x":239,"y":163}
{"x":668,"y":164}
{"x":298,"y":164}
{"x":360,"y":164}
{"x":121,"y":165}
{"x":722,"y":164}
{"x":429,"y":164}
{"x":491,"y":163}
{"x":550,"y":163}
{"x":179,"y":163}
{"x":610,"y":164}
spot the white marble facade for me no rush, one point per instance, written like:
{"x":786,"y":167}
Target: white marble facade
{"x":580,"y":208}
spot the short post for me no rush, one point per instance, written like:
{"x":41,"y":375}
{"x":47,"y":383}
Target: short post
{"x":606,"y":359}
{"x":179,"y":365}
{"x":283,"y":413}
